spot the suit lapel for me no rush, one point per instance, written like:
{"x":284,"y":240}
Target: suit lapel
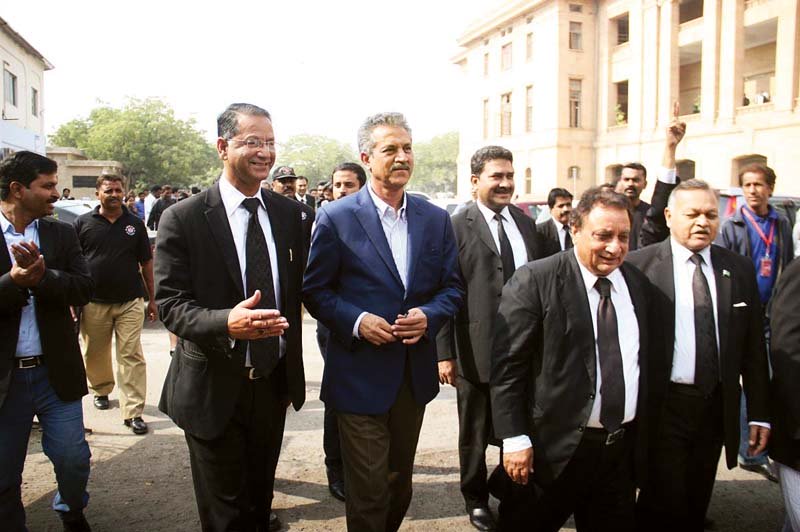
{"x":478,"y":224}
{"x":722,"y":280}
{"x":664,"y":279}
{"x":367,"y":216}
{"x":576,"y":305}
{"x":526,"y":231}
{"x":416,"y":234}
{"x":221,"y":231}
{"x":46,"y":244}
{"x":5,"y":258}
{"x":276,"y":214}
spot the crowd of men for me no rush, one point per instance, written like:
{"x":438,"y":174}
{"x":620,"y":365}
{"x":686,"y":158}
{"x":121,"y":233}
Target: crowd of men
{"x":610,"y":381}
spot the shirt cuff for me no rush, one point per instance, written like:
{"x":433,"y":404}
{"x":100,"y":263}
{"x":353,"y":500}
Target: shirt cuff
{"x":516,"y":443}
{"x":667,"y":175}
{"x":760,"y":424}
{"x":358,"y":323}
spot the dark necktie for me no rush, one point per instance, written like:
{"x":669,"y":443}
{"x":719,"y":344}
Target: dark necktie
{"x":264,"y":353}
{"x":706,"y":365}
{"x":612,"y":386}
{"x":506,"y":254}
{"x":567,"y":238}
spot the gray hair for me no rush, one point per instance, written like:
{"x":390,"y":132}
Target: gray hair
{"x":228,"y":121}
{"x":365,"y":142}
{"x":690,"y":184}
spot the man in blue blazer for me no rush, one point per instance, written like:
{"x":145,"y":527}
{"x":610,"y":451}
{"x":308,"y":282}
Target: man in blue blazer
{"x":382,"y":277}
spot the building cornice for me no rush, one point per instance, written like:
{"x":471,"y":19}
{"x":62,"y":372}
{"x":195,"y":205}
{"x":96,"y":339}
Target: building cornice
{"x":25,"y":45}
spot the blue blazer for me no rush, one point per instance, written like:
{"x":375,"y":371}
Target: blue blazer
{"x":350,"y":271}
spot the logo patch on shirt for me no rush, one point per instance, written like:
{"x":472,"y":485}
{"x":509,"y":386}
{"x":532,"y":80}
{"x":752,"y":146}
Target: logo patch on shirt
{"x":303,"y":215}
{"x":130,"y":230}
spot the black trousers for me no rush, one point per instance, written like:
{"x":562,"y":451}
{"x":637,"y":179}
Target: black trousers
{"x":234,"y":474}
{"x":378,"y":454}
{"x":330,"y":428}
{"x":683,"y":462}
{"x":474,"y":433}
{"x":597,"y":486}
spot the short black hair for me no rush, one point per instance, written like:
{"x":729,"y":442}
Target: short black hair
{"x":228,"y":121}
{"x":195,"y":190}
{"x":488,"y":153}
{"x":155,"y":188}
{"x":24,"y":167}
{"x":598,"y":196}
{"x":557,"y":193}
{"x":351,"y":167}
{"x":634,"y":166}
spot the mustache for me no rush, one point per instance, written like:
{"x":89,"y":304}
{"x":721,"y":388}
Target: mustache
{"x":400,"y":166}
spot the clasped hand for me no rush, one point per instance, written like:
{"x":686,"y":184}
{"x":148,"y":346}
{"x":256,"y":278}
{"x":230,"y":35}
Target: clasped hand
{"x":245,"y":322}
{"x":409,"y":328}
{"x":29,"y":267}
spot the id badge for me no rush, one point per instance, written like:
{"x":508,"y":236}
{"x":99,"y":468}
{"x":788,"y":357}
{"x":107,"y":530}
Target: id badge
{"x":765,"y":268}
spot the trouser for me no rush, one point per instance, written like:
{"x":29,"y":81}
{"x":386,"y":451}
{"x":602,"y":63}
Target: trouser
{"x":683,"y":462}
{"x":790,"y":487}
{"x":474,"y":431}
{"x":378,"y":453}
{"x":234,"y":474}
{"x":125,"y":320}
{"x":330,"y":428}
{"x":63,"y":441}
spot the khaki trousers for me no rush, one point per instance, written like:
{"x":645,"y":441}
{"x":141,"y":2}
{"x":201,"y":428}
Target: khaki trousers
{"x":125,"y":321}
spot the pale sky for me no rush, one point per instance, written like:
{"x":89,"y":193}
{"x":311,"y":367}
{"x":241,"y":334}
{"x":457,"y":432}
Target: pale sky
{"x":320,"y":67}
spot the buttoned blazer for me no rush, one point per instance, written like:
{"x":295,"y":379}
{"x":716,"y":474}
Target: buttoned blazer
{"x":66,"y":283}
{"x":741,"y":340}
{"x":198,"y":281}
{"x":351,"y":270}
{"x":468,"y":336}
{"x":544,"y":362}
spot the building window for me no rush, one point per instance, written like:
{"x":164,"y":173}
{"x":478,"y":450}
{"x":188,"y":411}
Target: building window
{"x":575,"y":30}
{"x":622,"y":28}
{"x":574,"y":173}
{"x":505,"y":56}
{"x":486,"y":65}
{"x":528,"y":181}
{"x":575,"y":8}
{"x":529,"y":108}
{"x":621,"y":109}
{"x":486,"y":118}
{"x":529,"y":47}
{"x":505,"y":114}
{"x":34,"y":102}
{"x":574,"y":103}
{"x":10,"y":87}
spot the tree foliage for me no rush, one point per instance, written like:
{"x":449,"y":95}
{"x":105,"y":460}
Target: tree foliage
{"x":314,"y":156}
{"x":153,"y":145}
{"x":435,"y":164}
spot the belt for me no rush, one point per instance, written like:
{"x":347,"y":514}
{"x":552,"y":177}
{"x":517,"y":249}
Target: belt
{"x":29,"y":362}
{"x":253,"y":374}
{"x":602,"y":435}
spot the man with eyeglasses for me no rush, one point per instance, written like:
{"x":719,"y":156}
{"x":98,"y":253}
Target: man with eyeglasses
{"x":228,"y":278}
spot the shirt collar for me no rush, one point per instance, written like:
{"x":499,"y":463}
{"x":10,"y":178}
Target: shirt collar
{"x":5,"y":224}
{"x":589,"y":279}
{"x":683,"y":254}
{"x":489,"y":214}
{"x":772,"y":214}
{"x":232,"y":197}
{"x":382,"y":206}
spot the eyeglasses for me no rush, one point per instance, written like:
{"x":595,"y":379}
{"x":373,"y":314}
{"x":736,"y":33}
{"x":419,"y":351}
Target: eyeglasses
{"x":253,"y":143}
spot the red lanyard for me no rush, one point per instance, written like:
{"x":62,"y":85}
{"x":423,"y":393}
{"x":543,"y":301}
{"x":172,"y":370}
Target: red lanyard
{"x":767,"y":240}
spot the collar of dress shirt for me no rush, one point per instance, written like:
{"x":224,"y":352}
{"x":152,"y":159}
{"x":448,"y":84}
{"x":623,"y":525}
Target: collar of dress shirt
{"x":488,"y":213}
{"x":382,"y":206}
{"x":232,"y":197}
{"x":682,"y":255}
{"x":589,"y":279}
{"x":5,"y":224}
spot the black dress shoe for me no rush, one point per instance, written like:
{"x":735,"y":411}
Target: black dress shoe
{"x":765,"y":470}
{"x":336,"y":488}
{"x":101,"y":402}
{"x":78,"y":524}
{"x":481,"y":518}
{"x":137,"y":425}
{"x":274,"y":523}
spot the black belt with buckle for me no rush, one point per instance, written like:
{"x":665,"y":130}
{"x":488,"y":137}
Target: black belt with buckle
{"x":30,"y":362}
{"x":609,"y":438}
{"x":252,"y":374}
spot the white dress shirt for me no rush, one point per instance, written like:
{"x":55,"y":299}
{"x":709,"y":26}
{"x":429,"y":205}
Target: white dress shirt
{"x":562,"y":233}
{"x":628,"y":344}
{"x":239,"y":218}
{"x":395,"y":227}
{"x":149,"y":201}
{"x":512,"y":232}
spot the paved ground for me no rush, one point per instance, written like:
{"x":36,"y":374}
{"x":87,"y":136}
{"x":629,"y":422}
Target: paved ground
{"x":144,"y":483}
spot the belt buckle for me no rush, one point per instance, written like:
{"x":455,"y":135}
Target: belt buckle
{"x":252,"y":375}
{"x":614,"y":437}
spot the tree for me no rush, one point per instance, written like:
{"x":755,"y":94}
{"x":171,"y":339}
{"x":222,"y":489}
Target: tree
{"x":435,"y":164}
{"x":153,"y":145}
{"x":314,"y":156}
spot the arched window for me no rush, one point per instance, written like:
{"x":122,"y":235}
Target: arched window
{"x":742,"y":161}
{"x":613,"y":172}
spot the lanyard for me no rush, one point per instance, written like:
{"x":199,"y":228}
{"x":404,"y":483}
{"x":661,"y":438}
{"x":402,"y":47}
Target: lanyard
{"x":767,"y":240}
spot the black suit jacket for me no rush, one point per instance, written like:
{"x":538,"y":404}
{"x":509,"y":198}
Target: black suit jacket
{"x":549,"y":233}
{"x":741,"y":338}
{"x":309,"y":201}
{"x":785,"y":355}
{"x":468,"y":337}
{"x":66,"y":283}
{"x":544,"y":369}
{"x":198,"y":281}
